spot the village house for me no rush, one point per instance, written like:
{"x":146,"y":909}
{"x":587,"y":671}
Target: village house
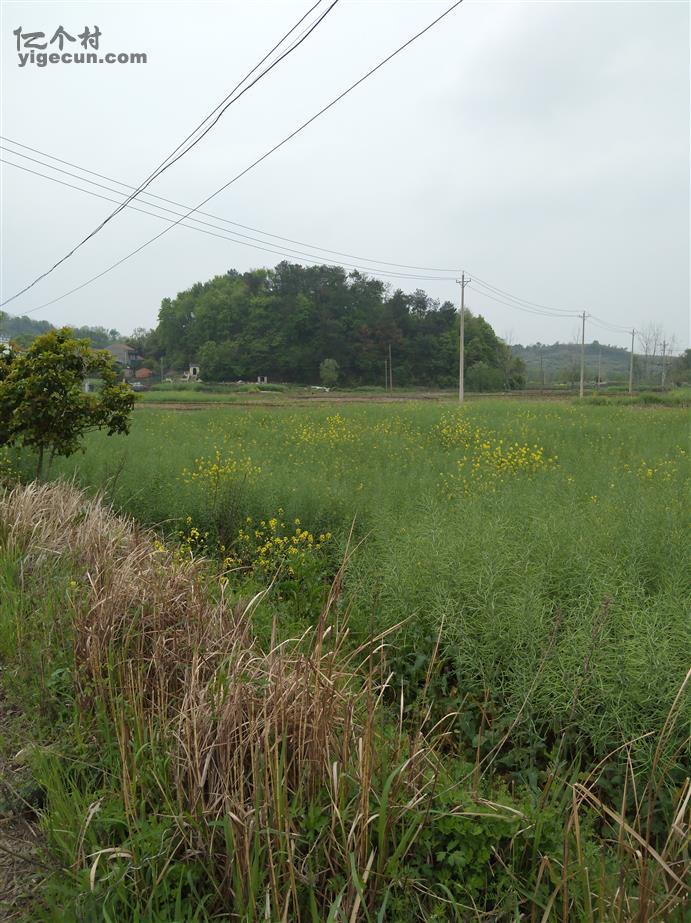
{"x":123,"y":353}
{"x":125,"y":356}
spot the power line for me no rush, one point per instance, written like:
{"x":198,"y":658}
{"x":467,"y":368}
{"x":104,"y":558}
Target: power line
{"x":519,"y":307}
{"x":530,"y":304}
{"x":609,"y":325}
{"x":354,"y":256}
{"x":310,"y":258}
{"x":286,"y":252}
{"x":255,"y":163}
{"x":515,"y":301}
{"x":175,"y":156}
{"x":290,"y":253}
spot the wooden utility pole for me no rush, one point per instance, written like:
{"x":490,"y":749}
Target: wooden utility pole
{"x":390,"y":371}
{"x":633,"y":334}
{"x":461,"y":358}
{"x":580,"y":390}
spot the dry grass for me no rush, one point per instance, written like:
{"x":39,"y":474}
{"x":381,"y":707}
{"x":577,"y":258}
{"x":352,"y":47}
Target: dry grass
{"x":284,"y":778}
{"x":256,"y":736}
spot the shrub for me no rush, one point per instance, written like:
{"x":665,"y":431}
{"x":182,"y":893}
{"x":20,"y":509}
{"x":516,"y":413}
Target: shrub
{"x":42,"y":400}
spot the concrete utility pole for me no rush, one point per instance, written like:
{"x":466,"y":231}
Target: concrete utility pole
{"x":633,"y":334}
{"x":390,"y":371}
{"x":461,"y":360}
{"x":386,"y":374}
{"x":599,"y":367}
{"x":580,"y":390}
{"x":664,"y":370}
{"x":542,"y":370}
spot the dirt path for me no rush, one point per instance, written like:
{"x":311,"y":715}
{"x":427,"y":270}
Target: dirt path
{"x":432,"y":397}
{"x":294,"y":401}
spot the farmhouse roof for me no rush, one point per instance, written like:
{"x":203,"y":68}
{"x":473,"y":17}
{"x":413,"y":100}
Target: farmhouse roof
{"x":122,"y":352}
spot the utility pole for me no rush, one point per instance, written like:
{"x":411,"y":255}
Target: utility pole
{"x":580,"y":390}
{"x":542,"y":370}
{"x":599,"y":367}
{"x":390,"y":371}
{"x":664,"y":348}
{"x":633,"y":334}
{"x":461,"y":360}
{"x":386,"y":374}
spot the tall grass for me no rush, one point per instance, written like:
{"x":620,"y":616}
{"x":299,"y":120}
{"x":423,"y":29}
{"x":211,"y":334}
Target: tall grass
{"x":200,"y":774}
{"x":264,"y":775}
{"x":594,"y":546}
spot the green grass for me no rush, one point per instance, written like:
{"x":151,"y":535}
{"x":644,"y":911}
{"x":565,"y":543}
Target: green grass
{"x":557,"y":596}
{"x":591,"y":551}
{"x":183,"y":772}
{"x":184,"y":396}
{"x":680,"y":397}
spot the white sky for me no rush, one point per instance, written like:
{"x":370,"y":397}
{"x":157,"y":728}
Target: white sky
{"x":543,"y":146}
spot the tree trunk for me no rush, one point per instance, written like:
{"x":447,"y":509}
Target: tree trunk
{"x":39,"y":464}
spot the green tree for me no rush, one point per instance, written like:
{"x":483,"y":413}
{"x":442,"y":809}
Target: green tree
{"x":218,"y":361}
{"x":328,"y":372}
{"x":43,"y":404}
{"x":681,"y":368}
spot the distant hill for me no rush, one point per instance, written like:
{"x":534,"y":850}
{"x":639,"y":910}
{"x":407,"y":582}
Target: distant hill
{"x":22,"y":326}
{"x":24,"y":329}
{"x":559,"y":363}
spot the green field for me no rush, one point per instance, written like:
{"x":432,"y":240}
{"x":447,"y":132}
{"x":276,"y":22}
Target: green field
{"x":530,"y":560}
{"x":492,"y":558}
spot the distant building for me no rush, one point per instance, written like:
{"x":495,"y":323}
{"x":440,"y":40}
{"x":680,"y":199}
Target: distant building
{"x":192,"y":374}
{"x":123,"y":354}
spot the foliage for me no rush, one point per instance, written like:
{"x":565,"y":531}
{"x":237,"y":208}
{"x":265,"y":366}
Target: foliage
{"x":218,"y":471}
{"x":23,"y":330}
{"x":281,"y":322}
{"x":43,"y":405}
{"x":289,"y":555}
{"x":328,"y":372}
{"x":186,"y":772}
{"x":515,"y":572}
{"x":550,"y":365}
{"x":681,"y":369}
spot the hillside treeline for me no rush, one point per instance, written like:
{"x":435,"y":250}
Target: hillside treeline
{"x":547,"y":365}
{"x":23,"y":330}
{"x":284,"y":322}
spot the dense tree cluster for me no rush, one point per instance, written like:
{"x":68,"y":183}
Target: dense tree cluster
{"x":285,"y":322}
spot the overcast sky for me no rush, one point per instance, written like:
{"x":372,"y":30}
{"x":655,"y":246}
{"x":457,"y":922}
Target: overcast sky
{"x":543,"y":146}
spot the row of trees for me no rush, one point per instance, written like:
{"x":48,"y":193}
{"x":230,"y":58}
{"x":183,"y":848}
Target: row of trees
{"x":285,"y":321}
